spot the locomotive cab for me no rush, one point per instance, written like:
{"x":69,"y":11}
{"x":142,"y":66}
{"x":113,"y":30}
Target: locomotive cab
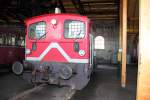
{"x":59,"y":50}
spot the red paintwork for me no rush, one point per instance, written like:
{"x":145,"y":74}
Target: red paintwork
{"x":10,"y":54}
{"x":56,"y":35}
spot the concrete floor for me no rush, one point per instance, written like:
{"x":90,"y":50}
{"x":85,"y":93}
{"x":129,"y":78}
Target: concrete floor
{"x":10,"y":85}
{"x":104,"y":85}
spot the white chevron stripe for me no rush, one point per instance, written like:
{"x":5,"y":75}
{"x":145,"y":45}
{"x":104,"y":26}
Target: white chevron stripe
{"x":58,"y":47}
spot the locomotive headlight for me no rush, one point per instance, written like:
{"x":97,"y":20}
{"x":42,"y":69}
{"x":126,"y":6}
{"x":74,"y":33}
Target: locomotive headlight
{"x":27,"y":51}
{"x":81,"y":52}
{"x":54,"y":21}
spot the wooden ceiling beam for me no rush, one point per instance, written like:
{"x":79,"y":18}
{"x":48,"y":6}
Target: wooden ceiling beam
{"x":103,"y":19}
{"x":109,"y":15}
{"x":102,"y":13}
{"x":100,"y":2}
{"x":104,"y":8}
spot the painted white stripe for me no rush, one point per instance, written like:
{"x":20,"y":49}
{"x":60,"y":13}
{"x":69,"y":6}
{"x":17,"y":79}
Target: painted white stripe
{"x":58,"y":47}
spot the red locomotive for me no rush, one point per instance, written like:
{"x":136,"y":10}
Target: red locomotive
{"x":59,"y":50}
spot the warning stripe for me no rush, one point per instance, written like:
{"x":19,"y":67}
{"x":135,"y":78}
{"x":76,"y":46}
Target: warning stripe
{"x":64,"y":54}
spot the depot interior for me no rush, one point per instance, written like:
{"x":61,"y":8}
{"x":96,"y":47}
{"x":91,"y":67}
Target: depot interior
{"x":108,"y":18}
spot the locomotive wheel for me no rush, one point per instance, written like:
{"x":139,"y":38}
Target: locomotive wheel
{"x":65,"y":72}
{"x":17,"y":68}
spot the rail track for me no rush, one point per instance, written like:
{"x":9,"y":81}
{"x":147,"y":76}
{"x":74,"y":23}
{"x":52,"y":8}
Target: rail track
{"x":45,"y":92}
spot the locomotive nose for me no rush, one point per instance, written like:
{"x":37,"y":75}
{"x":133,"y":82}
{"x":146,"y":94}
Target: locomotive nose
{"x":17,"y":68}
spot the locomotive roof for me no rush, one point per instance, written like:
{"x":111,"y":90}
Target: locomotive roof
{"x":62,"y":14}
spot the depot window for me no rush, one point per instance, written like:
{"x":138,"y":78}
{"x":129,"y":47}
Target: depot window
{"x":74,"y":29}
{"x":37,"y":30}
{"x":99,"y":42}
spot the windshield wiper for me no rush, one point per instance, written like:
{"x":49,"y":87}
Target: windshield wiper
{"x":41,"y":36}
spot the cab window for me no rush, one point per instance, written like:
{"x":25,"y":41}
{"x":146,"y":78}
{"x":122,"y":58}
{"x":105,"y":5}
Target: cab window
{"x":37,"y":30}
{"x":74,"y":29}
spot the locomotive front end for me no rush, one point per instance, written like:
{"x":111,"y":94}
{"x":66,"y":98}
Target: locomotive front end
{"x":58,"y":50}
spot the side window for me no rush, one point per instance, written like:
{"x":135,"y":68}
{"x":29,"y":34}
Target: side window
{"x":99,"y":42}
{"x":9,"y":40}
{"x":74,"y":29}
{"x":1,"y":39}
{"x":21,"y":41}
{"x":37,"y":30}
{"x":13,"y":40}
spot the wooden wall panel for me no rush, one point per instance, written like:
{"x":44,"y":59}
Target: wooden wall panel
{"x":143,"y":83}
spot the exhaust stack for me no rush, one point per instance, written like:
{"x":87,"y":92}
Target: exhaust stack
{"x":57,"y":10}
